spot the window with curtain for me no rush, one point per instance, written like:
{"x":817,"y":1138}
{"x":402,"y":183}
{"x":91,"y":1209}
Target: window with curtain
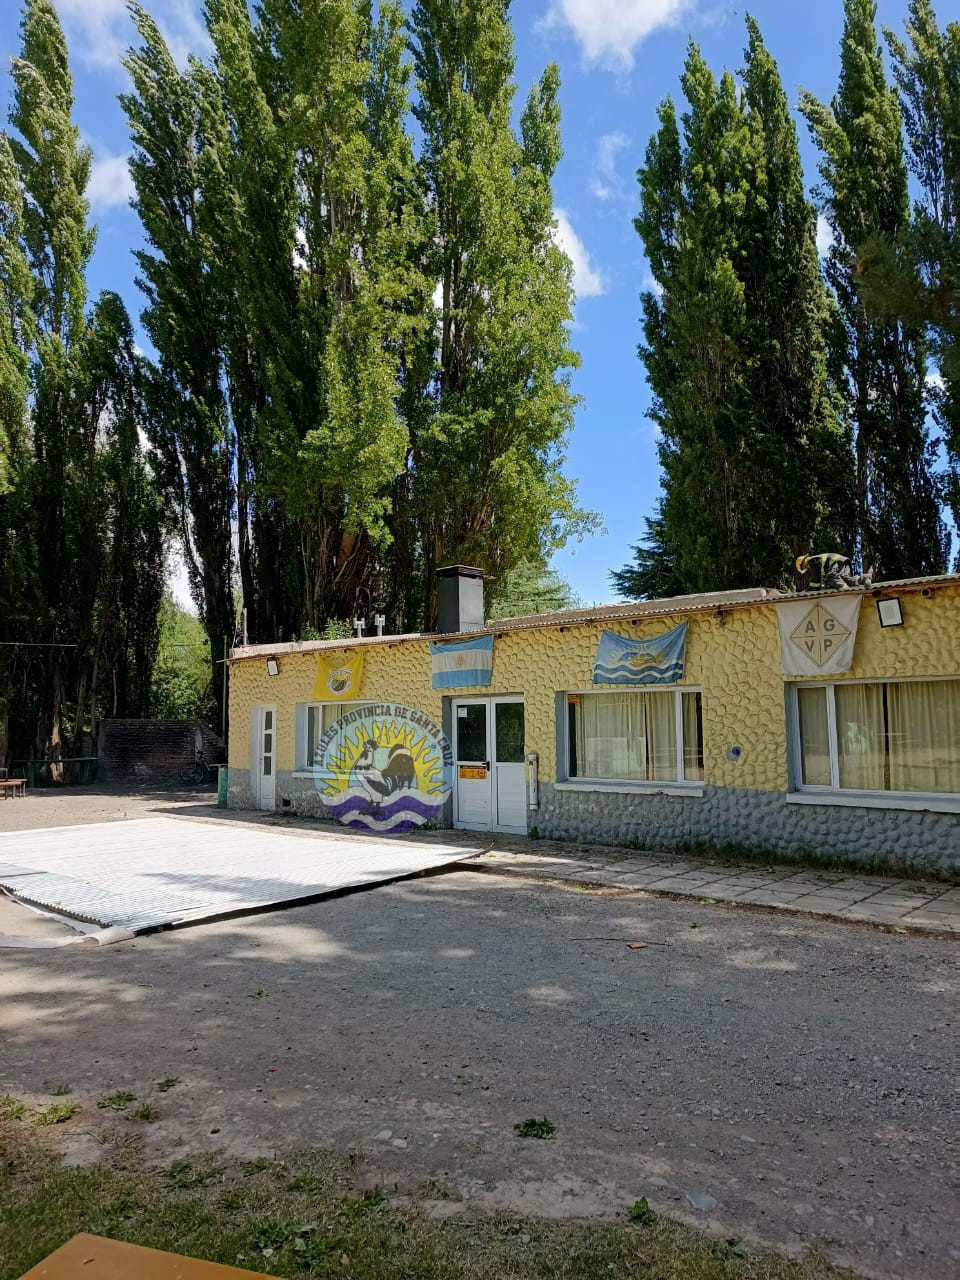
{"x":636,"y":737}
{"x":313,"y":721}
{"x":895,"y":735}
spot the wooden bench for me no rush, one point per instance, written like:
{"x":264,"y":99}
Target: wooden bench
{"x":13,"y":786}
{"x":88,"y":1257}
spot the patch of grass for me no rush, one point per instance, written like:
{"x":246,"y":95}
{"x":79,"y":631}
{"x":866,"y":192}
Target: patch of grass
{"x":118,"y":1101}
{"x":258,"y":994}
{"x":11,"y":1108}
{"x":533,"y":833}
{"x":731,"y":853}
{"x":250,"y":1167}
{"x":187,"y":1174}
{"x":261,"y":1225}
{"x":56,"y":1113}
{"x":60,"y":1090}
{"x":367,"y":1202}
{"x":533,"y":1128}
{"x":147,"y":1113}
{"x":167,"y":1083}
{"x":641,"y":1213}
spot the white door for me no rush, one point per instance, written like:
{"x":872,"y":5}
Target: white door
{"x":490,"y":791}
{"x":264,"y":735}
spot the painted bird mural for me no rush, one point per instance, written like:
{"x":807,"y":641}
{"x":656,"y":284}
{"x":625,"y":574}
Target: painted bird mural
{"x":399,"y":773}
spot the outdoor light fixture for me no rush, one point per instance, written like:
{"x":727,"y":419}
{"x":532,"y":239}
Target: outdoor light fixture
{"x":273,"y":667}
{"x":890,"y":612}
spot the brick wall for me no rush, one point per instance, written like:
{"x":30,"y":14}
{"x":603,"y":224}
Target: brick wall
{"x":152,"y":752}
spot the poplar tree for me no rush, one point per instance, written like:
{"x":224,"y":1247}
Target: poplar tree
{"x":864,"y":196}
{"x":188,"y":424}
{"x":756,"y":461}
{"x":914,"y":278}
{"x":87,"y":568}
{"x":487,"y":440}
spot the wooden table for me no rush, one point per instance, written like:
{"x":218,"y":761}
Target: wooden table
{"x":13,"y":787}
{"x":88,"y":1257}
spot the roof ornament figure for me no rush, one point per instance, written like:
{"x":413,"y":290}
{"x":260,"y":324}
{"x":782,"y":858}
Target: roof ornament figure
{"x":831,"y":571}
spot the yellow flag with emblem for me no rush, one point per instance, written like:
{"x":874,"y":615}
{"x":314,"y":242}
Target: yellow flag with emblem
{"x":338,"y":676}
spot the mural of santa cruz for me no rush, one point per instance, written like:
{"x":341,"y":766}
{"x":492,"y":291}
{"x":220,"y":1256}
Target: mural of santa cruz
{"x":383,"y":767}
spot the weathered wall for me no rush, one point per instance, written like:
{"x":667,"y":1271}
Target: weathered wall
{"x":152,"y":752}
{"x":732,"y":655}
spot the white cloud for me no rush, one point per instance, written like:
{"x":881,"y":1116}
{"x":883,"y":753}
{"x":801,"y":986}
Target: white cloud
{"x":587,"y":281}
{"x":100,"y":31}
{"x":110,"y":182}
{"x":824,"y":236}
{"x":610,"y":30}
{"x":605,"y":183}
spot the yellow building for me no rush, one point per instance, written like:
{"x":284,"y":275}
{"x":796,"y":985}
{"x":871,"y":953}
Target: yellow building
{"x":827,"y":722}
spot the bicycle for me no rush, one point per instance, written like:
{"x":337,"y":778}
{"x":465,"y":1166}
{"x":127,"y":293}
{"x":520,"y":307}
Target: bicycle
{"x":197,"y":772}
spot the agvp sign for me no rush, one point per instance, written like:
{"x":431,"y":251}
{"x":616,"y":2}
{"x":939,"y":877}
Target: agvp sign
{"x":818,"y":639}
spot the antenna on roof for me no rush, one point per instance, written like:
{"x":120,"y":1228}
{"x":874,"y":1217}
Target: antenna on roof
{"x":379,"y":619}
{"x":358,"y":626}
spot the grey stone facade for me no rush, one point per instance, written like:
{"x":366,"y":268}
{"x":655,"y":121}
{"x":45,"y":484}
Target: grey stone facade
{"x":754,"y":819}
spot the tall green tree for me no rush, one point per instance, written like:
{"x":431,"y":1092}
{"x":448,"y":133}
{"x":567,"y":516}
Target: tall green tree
{"x":756,"y":460}
{"x":914,"y":276}
{"x":495,"y":405}
{"x":189,"y":424}
{"x":651,"y":575}
{"x":864,"y":196}
{"x":81,"y":589}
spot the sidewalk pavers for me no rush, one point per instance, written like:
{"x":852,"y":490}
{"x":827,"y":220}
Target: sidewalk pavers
{"x":910,"y":905}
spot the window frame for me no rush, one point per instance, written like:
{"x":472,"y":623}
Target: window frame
{"x":567,"y":780}
{"x":801,"y":792}
{"x":304,"y":769}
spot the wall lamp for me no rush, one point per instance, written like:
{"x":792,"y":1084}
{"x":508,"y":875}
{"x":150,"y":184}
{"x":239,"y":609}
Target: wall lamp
{"x":273,"y":667}
{"x":890,"y":612}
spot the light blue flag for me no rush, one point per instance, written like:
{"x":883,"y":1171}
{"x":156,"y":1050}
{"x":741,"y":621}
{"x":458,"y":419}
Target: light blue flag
{"x":462,"y":663}
{"x":658,"y":660}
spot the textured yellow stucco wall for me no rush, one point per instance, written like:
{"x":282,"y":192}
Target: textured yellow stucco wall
{"x":734,"y":658}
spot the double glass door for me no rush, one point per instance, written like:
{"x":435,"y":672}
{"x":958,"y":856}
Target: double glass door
{"x":490,"y":777}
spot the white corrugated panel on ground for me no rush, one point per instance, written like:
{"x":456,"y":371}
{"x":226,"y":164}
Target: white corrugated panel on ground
{"x":161,"y":871}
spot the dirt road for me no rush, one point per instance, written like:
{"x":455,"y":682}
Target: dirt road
{"x":785,"y":1079}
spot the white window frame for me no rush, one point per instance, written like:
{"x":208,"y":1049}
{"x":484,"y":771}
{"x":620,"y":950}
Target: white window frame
{"x":681,"y":785}
{"x":808,"y":793}
{"x":303,"y":768}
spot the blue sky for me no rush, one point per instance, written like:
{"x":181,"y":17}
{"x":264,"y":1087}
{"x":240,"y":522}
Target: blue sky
{"x":618,"y":59}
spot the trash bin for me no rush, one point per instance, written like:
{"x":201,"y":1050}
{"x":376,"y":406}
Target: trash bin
{"x":222,"y":786}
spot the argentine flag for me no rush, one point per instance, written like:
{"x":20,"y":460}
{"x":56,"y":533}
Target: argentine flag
{"x":461,"y":663}
{"x":658,"y":660}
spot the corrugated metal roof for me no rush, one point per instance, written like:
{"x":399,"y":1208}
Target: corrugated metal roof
{"x":706,"y":602}
{"x":160,"y":871}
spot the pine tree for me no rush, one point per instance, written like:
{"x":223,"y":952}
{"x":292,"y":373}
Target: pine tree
{"x":864,"y":196}
{"x":756,"y":462}
{"x":494,"y":404}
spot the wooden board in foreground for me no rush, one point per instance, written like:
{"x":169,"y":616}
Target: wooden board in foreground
{"x":88,"y":1257}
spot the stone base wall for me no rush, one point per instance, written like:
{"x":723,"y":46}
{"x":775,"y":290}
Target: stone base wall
{"x":759,"y":820}
{"x":754,"y":819}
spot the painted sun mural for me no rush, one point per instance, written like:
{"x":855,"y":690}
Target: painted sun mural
{"x":384,"y":768}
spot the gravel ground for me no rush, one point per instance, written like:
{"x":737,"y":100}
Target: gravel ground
{"x":781,"y":1079}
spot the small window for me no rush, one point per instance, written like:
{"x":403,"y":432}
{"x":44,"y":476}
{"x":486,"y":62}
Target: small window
{"x":313,"y":721}
{"x":883,"y":736}
{"x":654,"y":736}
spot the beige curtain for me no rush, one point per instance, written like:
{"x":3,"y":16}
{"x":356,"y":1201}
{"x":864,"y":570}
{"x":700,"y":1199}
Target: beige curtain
{"x":860,"y":737}
{"x":629,"y":736}
{"x":814,"y":737}
{"x":924,"y":720}
{"x":692,"y":737}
